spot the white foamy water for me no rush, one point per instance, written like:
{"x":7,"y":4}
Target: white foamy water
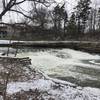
{"x":61,"y":62}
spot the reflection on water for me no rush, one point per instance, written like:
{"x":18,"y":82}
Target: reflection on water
{"x":75,"y":66}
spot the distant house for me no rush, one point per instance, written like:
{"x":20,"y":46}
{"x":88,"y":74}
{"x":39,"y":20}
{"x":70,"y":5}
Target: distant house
{"x":3,"y":31}
{"x":16,"y":30}
{"x":9,"y":30}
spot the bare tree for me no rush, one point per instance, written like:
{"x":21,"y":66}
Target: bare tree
{"x":9,"y":5}
{"x":40,"y":16}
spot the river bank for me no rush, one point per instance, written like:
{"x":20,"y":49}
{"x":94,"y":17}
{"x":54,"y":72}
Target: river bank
{"x":87,"y":46}
{"x":35,"y":81}
{"x":36,"y":85}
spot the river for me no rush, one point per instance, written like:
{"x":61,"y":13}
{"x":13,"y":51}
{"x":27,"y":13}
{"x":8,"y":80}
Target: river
{"x":77,"y":67}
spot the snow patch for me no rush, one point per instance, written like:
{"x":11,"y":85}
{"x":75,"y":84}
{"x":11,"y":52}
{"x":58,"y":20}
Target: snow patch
{"x":63,"y":93}
{"x":40,"y":84}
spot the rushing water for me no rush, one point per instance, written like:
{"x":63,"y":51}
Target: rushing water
{"x":77,"y":67}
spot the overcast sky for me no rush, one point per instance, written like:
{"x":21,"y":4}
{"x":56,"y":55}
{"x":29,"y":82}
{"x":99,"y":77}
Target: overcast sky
{"x":69,"y":6}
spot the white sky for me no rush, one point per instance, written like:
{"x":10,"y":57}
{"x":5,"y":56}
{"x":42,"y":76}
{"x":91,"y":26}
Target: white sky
{"x":69,"y":6}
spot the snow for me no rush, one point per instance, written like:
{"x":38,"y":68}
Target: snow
{"x":4,"y":42}
{"x":66,"y":92}
{"x":18,"y":86}
{"x":95,"y":91}
{"x":59,"y":62}
{"x":8,"y":41}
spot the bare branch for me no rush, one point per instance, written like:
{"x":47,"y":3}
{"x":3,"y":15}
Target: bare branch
{"x":20,"y":13}
{"x":9,"y":4}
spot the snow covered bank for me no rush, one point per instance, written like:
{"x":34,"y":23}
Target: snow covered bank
{"x":60,"y":62}
{"x":54,"y":90}
{"x":8,"y":41}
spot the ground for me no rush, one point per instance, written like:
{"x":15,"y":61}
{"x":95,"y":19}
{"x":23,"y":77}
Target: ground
{"x":35,"y":85}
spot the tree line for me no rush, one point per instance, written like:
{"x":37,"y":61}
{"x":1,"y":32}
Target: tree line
{"x":56,"y":23}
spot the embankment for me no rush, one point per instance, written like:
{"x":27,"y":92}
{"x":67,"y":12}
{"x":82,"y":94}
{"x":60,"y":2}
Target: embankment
{"x":88,"y":46}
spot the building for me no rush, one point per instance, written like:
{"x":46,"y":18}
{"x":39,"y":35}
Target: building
{"x":7,"y":30}
{"x":3,"y":31}
{"x":15,"y":31}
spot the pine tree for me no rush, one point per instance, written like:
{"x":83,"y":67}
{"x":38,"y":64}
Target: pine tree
{"x":72,"y":27}
{"x":82,"y":11}
{"x":59,"y":17}
{"x":64,"y":16}
{"x":99,"y":19}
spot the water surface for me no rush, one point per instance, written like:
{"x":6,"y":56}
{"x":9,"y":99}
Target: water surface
{"x":74,"y":66}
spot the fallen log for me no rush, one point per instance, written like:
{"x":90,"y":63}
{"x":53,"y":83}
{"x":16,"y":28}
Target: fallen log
{"x":9,"y":60}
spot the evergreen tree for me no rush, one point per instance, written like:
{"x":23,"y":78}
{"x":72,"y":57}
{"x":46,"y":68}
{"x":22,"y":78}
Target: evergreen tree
{"x":65,"y":18}
{"x":59,"y":17}
{"x":99,"y":19}
{"x":72,"y":27}
{"x":40,"y":17}
{"x":82,"y":12}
